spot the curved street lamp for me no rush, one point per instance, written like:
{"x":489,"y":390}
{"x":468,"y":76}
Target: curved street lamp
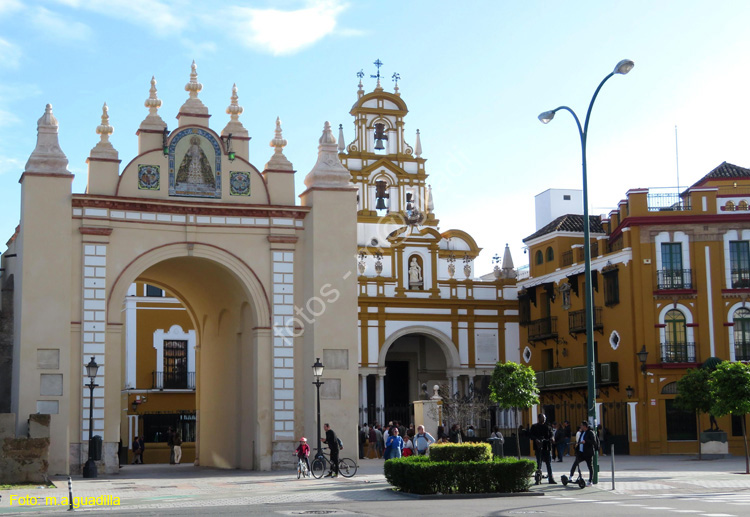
{"x":622,"y":68}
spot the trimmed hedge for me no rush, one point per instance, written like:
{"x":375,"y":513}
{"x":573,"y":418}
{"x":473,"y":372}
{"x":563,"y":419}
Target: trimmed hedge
{"x":421,"y":475}
{"x":456,"y":452}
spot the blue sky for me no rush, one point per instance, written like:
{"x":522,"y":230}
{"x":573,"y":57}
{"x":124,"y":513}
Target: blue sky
{"x":474,"y":76}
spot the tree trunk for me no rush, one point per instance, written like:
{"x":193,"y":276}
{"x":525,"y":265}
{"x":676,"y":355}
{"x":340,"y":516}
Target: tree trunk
{"x":518,"y":442}
{"x":744,"y":437}
{"x":698,"y":416}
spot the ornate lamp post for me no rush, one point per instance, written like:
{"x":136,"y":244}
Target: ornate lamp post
{"x":89,"y":469}
{"x":318,"y":372}
{"x":623,"y":67}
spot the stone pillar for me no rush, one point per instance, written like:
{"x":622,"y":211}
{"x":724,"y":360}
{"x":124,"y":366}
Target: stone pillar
{"x":363,"y":398}
{"x":380,"y":396}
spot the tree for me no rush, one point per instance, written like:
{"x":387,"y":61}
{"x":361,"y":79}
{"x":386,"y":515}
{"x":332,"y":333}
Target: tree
{"x":466,"y":410}
{"x":514,"y":386}
{"x":729,"y":385}
{"x":693,"y":395}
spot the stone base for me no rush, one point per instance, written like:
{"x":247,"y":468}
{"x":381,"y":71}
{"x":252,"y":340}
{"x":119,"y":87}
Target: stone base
{"x":714,"y":445}
{"x":109,"y":464}
{"x":283,"y":455}
{"x":24,"y":459}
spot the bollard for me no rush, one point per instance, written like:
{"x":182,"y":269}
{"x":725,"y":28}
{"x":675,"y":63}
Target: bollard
{"x":70,"y":493}
{"x":612,"y":455}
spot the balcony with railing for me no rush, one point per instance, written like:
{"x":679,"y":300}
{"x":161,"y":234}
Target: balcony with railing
{"x":173,"y":380}
{"x":671,"y":279}
{"x":577,"y":376}
{"x":740,"y":278}
{"x":577,"y":320}
{"x":542,"y":329}
{"x":678,"y":352}
{"x":667,"y":202}
{"x":566,"y":258}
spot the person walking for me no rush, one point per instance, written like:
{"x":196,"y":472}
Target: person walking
{"x":497,"y":438}
{"x":455,"y":434}
{"x":541,"y":433}
{"x":177,"y":440}
{"x":363,"y":435}
{"x":560,"y":442}
{"x":170,"y":443}
{"x":422,"y":441}
{"x":568,"y":436}
{"x":585,"y":447}
{"x":333,"y":444}
{"x":137,"y":451}
{"x":379,"y":441}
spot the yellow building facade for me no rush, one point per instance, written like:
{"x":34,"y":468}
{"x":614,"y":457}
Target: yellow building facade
{"x":670,"y":277}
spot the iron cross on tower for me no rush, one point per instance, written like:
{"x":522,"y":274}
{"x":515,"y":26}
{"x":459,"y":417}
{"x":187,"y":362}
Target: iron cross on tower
{"x":378,"y":64}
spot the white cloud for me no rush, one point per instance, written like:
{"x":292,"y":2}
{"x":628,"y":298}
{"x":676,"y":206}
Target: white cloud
{"x":10,"y":6}
{"x":55,"y":25}
{"x":10,"y":54}
{"x":10,"y":165}
{"x":163,"y":17}
{"x":285,"y":32}
{"x":7,"y":118}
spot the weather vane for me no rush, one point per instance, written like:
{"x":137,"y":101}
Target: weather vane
{"x":378,"y":64}
{"x":396,"y":77}
{"x":360,"y":74}
{"x":496,"y":259}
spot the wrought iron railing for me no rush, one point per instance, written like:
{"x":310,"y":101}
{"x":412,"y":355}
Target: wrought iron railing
{"x":577,"y":376}
{"x":541,"y":329}
{"x":674,"y":279}
{"x":668,"y":202}
{"x":173,"y":380}
{"x":740,"y":278}
{"x":678,"y":352}
{"x":577,"y":320}
{"x":742,"y":351}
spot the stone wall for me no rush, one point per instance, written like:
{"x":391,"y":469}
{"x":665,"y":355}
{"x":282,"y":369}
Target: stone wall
{"x":24,"y":460}
{"x":6,"y":344}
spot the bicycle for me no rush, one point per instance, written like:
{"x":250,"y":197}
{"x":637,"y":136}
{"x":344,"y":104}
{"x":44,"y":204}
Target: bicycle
{"x":302,"y":470}
{"x":347,"y":466}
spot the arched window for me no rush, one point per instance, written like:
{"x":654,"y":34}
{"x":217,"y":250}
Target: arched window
{"x":675,"y":348}
{"x":742,"y":334}
{"x":539,"y":257}
{"x":729,"y":206}
{"x":742,"y":205}
{"x":550,"y":254}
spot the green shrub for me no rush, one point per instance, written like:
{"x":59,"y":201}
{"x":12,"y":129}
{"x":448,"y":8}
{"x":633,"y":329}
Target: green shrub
{"x":461,"y":452}
{"x":423,"y":475}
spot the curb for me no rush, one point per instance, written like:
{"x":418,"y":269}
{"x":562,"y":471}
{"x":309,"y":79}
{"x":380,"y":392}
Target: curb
{"x":467,"y":496}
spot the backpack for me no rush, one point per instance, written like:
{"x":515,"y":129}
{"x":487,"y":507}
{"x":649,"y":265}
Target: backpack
{"x":341,"y":444}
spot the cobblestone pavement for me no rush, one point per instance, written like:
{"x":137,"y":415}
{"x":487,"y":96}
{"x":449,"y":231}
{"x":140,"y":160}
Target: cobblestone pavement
{"x":647,"y":482}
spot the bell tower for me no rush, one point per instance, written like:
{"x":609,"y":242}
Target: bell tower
{"x":389,"y":173}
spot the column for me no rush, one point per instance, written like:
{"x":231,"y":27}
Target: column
{"x":632,"y":407}
{"x":130,"y":341}
{"x":363,"y":398}
{"x":380,"y":397}
{"x":93,"y":323}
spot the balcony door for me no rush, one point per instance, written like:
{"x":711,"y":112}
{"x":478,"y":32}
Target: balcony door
{"x":739,"y":263}
{"x":175,"y":364}
{"x":675,"y":347}
{"x":741,"y":330}
{"x":671,"y":263}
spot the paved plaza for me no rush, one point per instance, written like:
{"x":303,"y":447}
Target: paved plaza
{"x":654,"y":485}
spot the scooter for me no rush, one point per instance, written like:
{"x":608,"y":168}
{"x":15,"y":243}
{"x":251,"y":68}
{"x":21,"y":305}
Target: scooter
{"x":580,"y":481}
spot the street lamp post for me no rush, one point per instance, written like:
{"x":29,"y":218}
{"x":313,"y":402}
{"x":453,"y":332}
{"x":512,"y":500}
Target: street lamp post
{"x":89,"y":469}
{"x":318,"y":372}
{"x":623,"y":67}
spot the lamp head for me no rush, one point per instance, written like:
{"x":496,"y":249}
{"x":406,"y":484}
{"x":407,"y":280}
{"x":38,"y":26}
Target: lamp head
{"x":624,"y":66}
{"x":629,"y":391}
{"x":545,"y":117}
{"x":317,"y":368}
{"x":91,"y":369}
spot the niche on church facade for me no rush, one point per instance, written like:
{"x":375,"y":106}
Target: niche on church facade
{"x":416,"y":273}
{"x":194,"y":164}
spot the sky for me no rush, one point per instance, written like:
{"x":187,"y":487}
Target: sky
{"x":474,"y":75}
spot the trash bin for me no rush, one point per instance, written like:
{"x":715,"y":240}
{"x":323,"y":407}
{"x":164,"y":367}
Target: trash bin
{"x":497,"y":447}
{"x":96,"y":447}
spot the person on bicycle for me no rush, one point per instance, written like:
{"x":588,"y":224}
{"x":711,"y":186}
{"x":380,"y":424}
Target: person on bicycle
{"x":333,"y":444}
{"x":303,"y":452}
{"x":541,"y":433}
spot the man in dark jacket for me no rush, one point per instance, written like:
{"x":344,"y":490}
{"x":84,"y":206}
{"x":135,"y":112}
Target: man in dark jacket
{"x":559,"y":441}
{"x":333,"y":444}
{"x":585,"y":450}
{"x":541,"y":433}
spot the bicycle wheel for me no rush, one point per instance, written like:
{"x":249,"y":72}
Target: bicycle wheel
{"x":299,"y":469}
{"x":318,"y":468}
{"x":347,"y":467}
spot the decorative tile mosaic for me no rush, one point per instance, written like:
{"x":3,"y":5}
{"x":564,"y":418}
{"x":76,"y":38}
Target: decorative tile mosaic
{"x":239,"y":183}
{"x":148,"y":177}
{"x":194,"y":164}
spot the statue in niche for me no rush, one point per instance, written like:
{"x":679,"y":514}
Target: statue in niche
{"x":415,"y":274}
{"x":195,"y":168}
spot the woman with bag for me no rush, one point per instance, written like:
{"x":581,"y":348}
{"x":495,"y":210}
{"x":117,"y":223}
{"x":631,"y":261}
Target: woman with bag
{"x":395,"y":443}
